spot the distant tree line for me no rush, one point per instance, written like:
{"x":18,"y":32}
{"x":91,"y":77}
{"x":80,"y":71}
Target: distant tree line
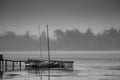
{"x":70,"y":40}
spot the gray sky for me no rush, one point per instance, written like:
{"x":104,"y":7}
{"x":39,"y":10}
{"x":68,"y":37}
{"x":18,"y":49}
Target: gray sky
{"x":23,"y":15}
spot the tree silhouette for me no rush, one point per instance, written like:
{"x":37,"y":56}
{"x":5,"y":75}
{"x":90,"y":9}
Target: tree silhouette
{"x":68,"y":40}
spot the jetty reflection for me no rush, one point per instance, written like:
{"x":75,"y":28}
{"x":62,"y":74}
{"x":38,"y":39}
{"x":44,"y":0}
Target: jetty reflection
{"x":35,"y":72}
{"x":1,"y":74}
{"x":44,"y":72}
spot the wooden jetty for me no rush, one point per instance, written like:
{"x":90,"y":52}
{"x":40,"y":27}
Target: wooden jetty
{"x":4,"y":63}
{"x":35,"y":63}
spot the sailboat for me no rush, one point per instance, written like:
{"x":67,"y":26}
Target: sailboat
{"x":34,"y":64}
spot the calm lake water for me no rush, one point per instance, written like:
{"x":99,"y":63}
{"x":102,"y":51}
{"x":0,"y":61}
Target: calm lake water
{"x":88,"y":65}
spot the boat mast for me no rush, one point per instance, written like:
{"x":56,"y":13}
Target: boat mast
{"x":40,"y":43}
{"x":48,"y":53}
{"x":48,"y":44}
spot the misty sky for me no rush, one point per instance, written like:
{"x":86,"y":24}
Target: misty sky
{"x":22,"y":15}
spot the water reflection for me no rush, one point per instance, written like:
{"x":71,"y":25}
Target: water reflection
{"x":1,"y":74}
{"x":54,"y":73}
{"x":36,"y":71}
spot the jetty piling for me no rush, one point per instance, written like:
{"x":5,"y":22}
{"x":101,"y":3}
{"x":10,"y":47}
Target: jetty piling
{"x":20,"y":65}
{"x":13,"y":64}
{"x":1,"y":62}
{"x":0,"y":66}
{"x":6,"y":65}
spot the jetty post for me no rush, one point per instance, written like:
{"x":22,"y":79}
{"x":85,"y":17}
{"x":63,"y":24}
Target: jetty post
{"x":1,"y":62}
{"x":20,"y":65}
{"x":0,"y":65}
{"x":13,"y":62}
{"x":5,"y":65}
